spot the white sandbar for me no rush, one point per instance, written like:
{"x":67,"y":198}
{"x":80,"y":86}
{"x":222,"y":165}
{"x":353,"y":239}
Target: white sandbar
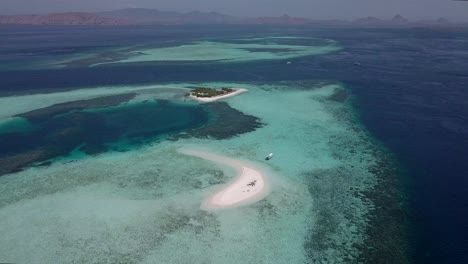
{"x":219,"y":97}
{"x":249,"y":187}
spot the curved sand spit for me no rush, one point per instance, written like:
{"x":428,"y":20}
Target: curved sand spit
{"x":216,"y":98}
{"x":250,"y":185}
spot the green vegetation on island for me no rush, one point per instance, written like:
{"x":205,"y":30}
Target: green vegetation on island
{"x":210,"y":92}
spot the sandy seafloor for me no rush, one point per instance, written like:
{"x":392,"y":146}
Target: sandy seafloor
{"x":143,"y":205}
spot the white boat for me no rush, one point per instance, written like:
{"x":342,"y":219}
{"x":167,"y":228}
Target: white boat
{"x":269,"y":156}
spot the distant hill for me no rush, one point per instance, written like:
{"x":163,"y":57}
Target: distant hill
{"x":369,"y":21}
{"x":282,"y":20}
{"x":152,"y":16}
{"x":439,"y":21}
{"x":143,"y":16}
{"x":129,"y":16}
{"x":70,"y":18}
{"x":442,"y":20}
{"x":396,"y":20}
{"x":140,"y":14}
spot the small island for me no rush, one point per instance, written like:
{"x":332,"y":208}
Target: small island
{"x":204,"y":94}
{"x":209,"y":92}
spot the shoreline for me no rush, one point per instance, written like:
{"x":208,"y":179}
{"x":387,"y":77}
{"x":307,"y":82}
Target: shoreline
{"x":219,"y":97}
{"x":248,"y":187}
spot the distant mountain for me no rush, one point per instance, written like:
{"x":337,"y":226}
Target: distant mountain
{"x":152,"y":16}
{"x":142,"y":16}
{"x":442,"y":20}
{"x":209,"y":18}
{"x":70,"y":18}
{"x":369,"y":21}
{"x":282,"y":20}
{"x":439,"y":21}
{"x":129,"y":16}
{"x":398,"y":19}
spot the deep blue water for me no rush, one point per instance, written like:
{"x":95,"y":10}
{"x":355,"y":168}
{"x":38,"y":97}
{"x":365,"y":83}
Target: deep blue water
{"x":411,"y":93}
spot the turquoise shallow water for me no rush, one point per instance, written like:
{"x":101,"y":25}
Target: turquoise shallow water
{"x":213,"y":50}
{"x":143,"y":205}
{"x":259,"y":49}
{"x":14,"y":125}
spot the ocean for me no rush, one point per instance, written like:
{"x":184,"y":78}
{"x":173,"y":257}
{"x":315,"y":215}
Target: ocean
{"x":369,"y":127}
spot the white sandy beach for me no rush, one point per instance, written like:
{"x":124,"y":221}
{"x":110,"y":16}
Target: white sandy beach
{"x":249,"y":186}
{"x":220,"y":97}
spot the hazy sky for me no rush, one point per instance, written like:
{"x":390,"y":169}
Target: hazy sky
{"x":413,"y":9}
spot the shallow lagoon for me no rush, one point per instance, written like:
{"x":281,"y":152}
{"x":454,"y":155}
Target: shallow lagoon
{"x":259,"y":49}
{"x":139,"y":202}
{"x":230,"y":50}
{"x":143,"y":205}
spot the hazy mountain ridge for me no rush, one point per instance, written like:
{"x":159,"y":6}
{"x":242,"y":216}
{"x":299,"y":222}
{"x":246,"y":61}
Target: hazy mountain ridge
{"x":153,"y":16}
{"x":69,"y":18}
{"x":142,"y":16}
{"x":282,"y":20}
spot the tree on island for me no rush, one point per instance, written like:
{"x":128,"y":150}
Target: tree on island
{"x":210,"y":92}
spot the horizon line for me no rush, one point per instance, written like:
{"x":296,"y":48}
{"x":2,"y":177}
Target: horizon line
{"x":410,"y":19}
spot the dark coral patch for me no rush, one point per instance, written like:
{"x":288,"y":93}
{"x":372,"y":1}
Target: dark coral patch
{"x":56,"y":109}
{"x":228,"y":122}
{"x":339,"y":95}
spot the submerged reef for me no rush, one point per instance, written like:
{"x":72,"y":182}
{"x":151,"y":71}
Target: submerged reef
{"x":387,"y":232}
{"x":339,"y":95}
{"x":228,"y":123}
{"x":230,"y":50}
{"x":382,"y":238}
{"x":338,"y":229}
{"x":42,"y":114}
